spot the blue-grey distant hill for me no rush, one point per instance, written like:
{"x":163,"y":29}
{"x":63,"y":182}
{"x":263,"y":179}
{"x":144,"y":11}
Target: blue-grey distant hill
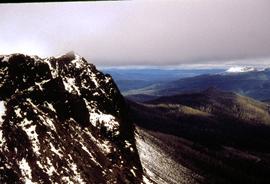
{"x":131,"y":79}
{"x":255,"y":84}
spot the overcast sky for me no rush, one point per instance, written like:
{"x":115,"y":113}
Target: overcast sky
{"x":210,"y":32}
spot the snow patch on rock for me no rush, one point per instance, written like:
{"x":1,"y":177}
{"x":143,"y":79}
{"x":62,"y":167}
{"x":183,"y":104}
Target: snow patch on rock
{"x":70,"y":86}
{"x":26,"y":171}
{"x":53,"y":71}
{"x":78,"y":62}
{"x":30,"y":131}
{"x":2,"y":110}
{"x":105,"y":120}
{"x":56,"y":151}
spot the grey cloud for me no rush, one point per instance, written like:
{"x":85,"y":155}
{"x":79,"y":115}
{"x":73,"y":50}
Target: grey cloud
{"x":141,"y":32}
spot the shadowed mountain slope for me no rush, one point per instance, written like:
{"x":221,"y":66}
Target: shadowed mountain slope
{"x":220,"y":103}
{"x":220,"y":137}
{"x":63,"y":121}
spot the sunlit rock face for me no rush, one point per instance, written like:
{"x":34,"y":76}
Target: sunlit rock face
{"x":63,"y":121}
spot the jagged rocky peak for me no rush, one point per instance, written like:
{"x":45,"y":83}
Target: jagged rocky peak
{"x":63,"y":121}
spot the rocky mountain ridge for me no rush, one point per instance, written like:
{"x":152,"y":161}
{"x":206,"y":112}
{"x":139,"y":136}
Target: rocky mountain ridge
{"x":63,"y":121}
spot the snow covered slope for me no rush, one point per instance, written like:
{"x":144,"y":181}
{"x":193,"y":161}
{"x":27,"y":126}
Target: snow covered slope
{"x":240,"y":69}
{"x":62,"y":121}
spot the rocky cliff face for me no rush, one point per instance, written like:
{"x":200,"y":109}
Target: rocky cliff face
{"x":63,"y":121}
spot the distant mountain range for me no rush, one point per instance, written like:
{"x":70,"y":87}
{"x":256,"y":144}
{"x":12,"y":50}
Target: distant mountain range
{"x":131,"y":79}
{"x":253,"y":83}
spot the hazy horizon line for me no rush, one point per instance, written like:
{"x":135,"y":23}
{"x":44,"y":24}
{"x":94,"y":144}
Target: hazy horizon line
{"x":180,"y":67}
{"x":259,"y":63}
